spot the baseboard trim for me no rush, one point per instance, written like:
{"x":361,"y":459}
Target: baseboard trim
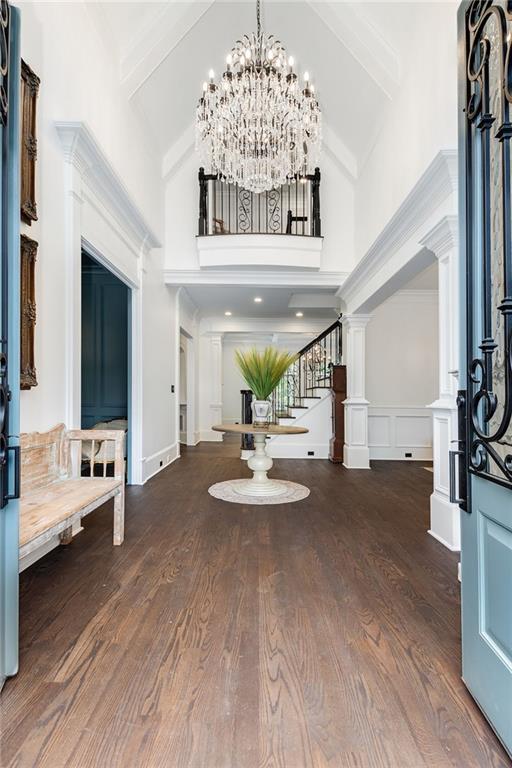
{"x":209,"y":436}
{"x":443,"y":541}
{"x":151,"y":464}
{"x":297,"y":450}
{"x":399,"y":458}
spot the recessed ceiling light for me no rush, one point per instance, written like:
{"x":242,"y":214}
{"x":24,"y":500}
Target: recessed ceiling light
{"x":299,"y":314}
{"x":228,"y":313}
{"x":258,"y":299}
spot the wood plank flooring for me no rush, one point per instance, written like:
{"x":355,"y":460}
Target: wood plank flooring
{"x":321,"y":633}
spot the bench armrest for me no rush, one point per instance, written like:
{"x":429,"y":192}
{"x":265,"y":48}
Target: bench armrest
{"x":99,"y":436}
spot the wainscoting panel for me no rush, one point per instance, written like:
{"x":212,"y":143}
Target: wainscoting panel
{"x":395,"y":432}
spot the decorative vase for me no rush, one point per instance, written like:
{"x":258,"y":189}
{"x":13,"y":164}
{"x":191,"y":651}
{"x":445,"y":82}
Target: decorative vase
{"x":261,"y":412}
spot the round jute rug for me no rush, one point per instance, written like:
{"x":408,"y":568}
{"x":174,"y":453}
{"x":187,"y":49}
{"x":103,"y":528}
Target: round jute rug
{"x":227,"y":491}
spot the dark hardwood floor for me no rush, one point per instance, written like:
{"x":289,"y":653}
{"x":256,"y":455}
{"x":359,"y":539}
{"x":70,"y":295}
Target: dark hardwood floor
{"x":321,"y":633}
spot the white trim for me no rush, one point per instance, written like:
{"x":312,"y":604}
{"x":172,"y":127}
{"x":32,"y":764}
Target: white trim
{"x":443,"y":237}
{"x":82,"y":150}
{"x":384,"y":426}
{"x":261,"y":250}
{"x":445,"y":543}
{"x":432,"y":199}
{"x":298,"y":450}
{"x":259,"y":277}
{"x":209,"y":436}
{"x":94,"y":197}
{"x":167,"y":456}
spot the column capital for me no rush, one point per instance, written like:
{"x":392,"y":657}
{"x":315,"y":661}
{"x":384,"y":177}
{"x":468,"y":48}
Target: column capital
{"x":443,"y":237}
{"x":355,"y":321}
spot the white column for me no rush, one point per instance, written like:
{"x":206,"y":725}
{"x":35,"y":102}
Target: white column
{"x":442,"y":240}
{"x":356,"y":453}
{"x":210,"y":385}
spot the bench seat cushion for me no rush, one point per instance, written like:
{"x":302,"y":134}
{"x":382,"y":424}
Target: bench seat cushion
{"x":46,"y":507}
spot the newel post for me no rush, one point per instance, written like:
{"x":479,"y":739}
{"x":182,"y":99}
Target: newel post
{"x":317,"y":222}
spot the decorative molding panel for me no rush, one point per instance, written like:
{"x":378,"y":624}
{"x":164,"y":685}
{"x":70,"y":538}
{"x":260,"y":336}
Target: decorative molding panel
{"x":267,"y":251}
{"x":394,"y":431}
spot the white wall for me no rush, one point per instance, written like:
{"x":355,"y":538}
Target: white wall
{"x":420,"y":120}
{"x":182,"y":210}
{"x":402,"y":375}
{"x":402,"y":351}
{"x":80,"y":83}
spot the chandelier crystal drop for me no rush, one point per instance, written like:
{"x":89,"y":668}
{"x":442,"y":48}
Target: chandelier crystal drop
{"x":259,"y":127}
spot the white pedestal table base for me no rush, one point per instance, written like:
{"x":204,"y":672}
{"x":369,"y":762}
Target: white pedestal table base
{"x":260,"y":489}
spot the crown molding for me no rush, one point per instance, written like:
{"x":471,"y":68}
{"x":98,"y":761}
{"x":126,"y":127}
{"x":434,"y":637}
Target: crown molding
{"x":355,"y":32}
{"x":436,"y":185}
{"x":442,"y":238}
{"x":82,"y":150}
{"x":261,"y":277}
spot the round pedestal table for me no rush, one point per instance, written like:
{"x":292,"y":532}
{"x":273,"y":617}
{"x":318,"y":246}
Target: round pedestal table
{"x":260,"y":489}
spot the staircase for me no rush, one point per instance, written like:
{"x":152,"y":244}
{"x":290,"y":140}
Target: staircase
{"x":303,"y":398}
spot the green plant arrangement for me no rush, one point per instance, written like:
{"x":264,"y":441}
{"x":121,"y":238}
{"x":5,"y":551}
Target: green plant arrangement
{"x":262,"y":372}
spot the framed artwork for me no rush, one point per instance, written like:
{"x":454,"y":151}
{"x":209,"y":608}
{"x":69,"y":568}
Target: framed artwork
{"x":28,"y":248}
{"x":29,"y":91}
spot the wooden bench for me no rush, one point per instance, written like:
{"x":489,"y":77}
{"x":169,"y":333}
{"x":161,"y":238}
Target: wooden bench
{"x":54,"y":497}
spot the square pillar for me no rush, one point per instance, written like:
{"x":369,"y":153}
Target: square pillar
{"x":210,"y":386}
{"x":442,"y":240}
{"x":356,"y":453}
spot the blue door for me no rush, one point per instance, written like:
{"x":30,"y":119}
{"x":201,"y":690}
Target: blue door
{"x":485,"y":406}
{"x":9,"y":336}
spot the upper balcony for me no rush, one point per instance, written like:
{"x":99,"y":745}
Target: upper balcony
{"x":280,"y":228}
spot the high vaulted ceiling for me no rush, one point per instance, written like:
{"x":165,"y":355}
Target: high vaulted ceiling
{"x":353,"y":51}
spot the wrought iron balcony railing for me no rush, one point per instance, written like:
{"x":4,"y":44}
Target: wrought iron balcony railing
{"x":311,"y":371}
{"x":227,"y":209}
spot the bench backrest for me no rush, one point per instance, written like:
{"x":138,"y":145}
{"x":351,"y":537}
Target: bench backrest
{"x":42,"y":458}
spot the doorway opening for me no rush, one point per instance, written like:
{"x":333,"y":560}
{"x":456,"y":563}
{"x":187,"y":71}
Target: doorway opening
{"x":187,"y":434}
{"x":105,"y":359}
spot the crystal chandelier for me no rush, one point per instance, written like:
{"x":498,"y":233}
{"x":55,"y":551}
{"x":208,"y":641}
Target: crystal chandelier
{"x":258,"y":127}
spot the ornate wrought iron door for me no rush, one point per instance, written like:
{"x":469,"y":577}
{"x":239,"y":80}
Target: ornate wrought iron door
{"x":9,"y":335}
{"x":489,"y":239}
{"x":485,"y":96}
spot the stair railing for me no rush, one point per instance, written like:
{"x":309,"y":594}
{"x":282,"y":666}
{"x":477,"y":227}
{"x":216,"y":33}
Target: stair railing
{"x":311,"y":371}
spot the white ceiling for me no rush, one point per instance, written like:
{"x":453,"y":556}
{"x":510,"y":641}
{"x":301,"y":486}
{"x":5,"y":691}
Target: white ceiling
{"x":278,"y":302}
{"x":164,"y":51}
